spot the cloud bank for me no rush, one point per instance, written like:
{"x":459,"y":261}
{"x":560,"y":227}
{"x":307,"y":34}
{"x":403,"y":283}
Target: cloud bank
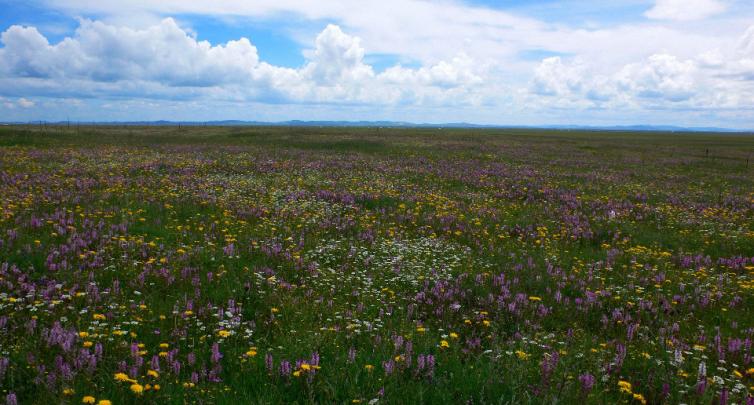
{"x":465,"y":61}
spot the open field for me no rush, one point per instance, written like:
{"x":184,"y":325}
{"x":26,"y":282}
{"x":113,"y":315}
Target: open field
{"x":346,"y":265}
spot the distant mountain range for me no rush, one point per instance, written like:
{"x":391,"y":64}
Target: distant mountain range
{"x":399,"y":124}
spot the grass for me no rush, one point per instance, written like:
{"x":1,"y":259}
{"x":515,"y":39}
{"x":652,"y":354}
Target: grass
{"x":375,"y":265}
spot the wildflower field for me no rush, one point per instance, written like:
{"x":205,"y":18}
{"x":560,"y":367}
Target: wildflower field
{"x":365,"y":265}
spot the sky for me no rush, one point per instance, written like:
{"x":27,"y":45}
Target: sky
{"x":509,"y":62}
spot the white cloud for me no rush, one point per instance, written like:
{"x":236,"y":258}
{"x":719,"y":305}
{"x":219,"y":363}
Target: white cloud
{"x":552,"y":77}
{"x":165,"y":61}
{"x":25,"y":103}
{"x":746,"y":43}
{"x":660,"y":76}
{"x":163,"y":52}
{"x":337,"y":58}
{"x":21,"y":102}
{"x":685,"y":10}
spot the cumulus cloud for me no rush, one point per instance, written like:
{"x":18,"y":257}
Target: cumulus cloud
{"x":660,"y":76}
{"x":21,"y":102}
{"x":685,"y":10}
{"x":25,"y":103}
{"x":165,"y":61}
{"x":100,"y":52}
{"x":337,"y":58}
{"x":552,"y":77}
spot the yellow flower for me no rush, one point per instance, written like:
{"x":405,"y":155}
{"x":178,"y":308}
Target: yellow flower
{"x":420,"y":329}
{"x":88,"y":399}
{"x":153,"y":373}
{"x":68,"y":391}
{"x":156,"y":387}
{"x":534,"y":298}
{"x":486,"y":323}
{"x":83,"y":334}
{"x":624,"y":386}
{"x":640,"y":398}
{"x":252,"y":352}
{"x":104,"y":402}
{"x":453,"y":335}
{"x":223,"y":333}
{"x":88,"y":343}
{"x":522,"y":355}
{"x":368,"y":367}
{"x":122,"y":377}
{"x":297,"y":373}
{"x":444,"y":344}
{"x":306,"y":366}
{"x":137,"y":389}
{"x":98,"y":317}
{"x":164,"y":345}
{"x":738,"y":374}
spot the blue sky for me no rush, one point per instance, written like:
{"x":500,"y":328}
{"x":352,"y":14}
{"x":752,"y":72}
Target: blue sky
{"x":680,"y":62}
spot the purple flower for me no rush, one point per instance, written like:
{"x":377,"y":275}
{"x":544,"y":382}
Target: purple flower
{"x":216,"y":355}
{"x":587,"y":382}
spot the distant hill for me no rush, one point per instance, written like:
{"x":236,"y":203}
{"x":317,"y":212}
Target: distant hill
{"x":397,"y":124}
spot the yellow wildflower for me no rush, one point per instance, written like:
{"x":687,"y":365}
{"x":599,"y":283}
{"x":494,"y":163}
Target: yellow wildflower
{"x":640,"y":398}
{"x":122,"y":377}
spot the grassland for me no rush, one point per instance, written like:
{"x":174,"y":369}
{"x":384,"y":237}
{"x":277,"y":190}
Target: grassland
{"x":366,"y":265}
